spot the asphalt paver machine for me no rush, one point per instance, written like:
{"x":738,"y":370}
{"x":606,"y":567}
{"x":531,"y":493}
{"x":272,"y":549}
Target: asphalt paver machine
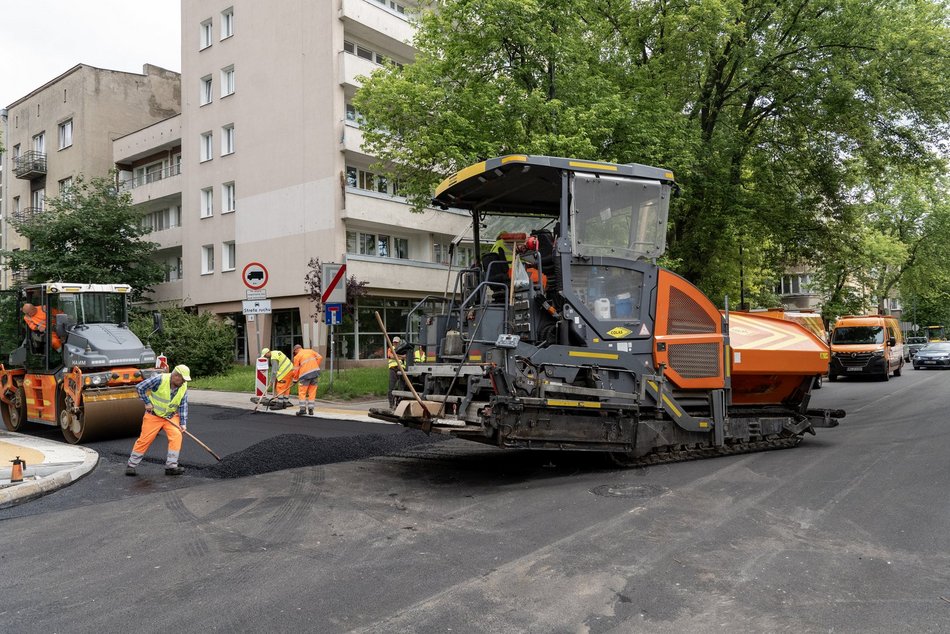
{"x":569,"y":336}
{"x":78,"y":369}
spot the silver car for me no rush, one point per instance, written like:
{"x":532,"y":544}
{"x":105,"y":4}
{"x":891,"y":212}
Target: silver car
{"x":912,"y":345}
{"x":934,"y":355}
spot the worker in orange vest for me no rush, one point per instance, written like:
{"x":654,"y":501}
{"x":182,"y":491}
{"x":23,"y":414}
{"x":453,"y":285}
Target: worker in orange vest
{"x":306,"y":375}
{"x":35,"y":318}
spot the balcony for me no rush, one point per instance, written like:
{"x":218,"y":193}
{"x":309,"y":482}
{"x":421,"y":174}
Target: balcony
{"x":22,"y":215}
{"x":373,"y":22}
{"x":402,"y":275}
{"x":370,"y":208}
{"x":30,"y":165}
{"x":352,"y":67}
{"x":154,"y":186}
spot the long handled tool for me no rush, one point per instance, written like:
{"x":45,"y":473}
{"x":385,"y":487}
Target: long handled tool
{"x":203,"y":446}
{"x":405,"y":377}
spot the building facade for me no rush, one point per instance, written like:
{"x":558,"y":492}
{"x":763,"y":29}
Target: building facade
{"x":65,"y":128}
{"x":272,"y":170}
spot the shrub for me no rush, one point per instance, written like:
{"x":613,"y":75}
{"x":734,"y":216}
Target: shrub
{"x":203,"y":342}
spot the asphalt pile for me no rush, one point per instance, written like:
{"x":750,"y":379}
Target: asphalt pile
{"x":288,"y":451}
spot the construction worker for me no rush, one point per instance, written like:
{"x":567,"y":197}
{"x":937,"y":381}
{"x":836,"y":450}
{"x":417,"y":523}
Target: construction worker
{"x":418,"y":355}
{"x":395,"y":361}
{"x":306,"y":374}
{"x":35,"y":318}
{"x":502,"y":248}
{"x":166,"y":409}
{"x":283,"y":373}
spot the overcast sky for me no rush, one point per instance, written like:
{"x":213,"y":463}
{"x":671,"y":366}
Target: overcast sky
{"x":41,"y":39}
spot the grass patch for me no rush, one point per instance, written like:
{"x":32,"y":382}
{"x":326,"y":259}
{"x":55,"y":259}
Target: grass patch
{"x":347,"y":384}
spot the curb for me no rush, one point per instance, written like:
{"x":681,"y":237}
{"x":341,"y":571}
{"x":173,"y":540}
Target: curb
{"x":17,"y":494}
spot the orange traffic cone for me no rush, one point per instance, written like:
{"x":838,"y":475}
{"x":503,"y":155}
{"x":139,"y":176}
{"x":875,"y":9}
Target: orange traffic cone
{"x":16,"y":475}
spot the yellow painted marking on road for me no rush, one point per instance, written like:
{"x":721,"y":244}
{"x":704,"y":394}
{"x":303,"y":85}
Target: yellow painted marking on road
{"x":593,"y":355}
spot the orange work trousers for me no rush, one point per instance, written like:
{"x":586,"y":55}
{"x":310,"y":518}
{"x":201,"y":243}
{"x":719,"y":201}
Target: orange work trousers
{"x":151,"y":425}
{"x":284,"y":384}
{"x":307,"y":391}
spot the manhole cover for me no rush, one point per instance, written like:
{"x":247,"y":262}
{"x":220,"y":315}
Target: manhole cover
{"x":639,"y":491}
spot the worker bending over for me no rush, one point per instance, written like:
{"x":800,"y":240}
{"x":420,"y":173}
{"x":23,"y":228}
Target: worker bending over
{"x":283,"y":372}
{"x":306,"y":374}
{"x":166,"y":408}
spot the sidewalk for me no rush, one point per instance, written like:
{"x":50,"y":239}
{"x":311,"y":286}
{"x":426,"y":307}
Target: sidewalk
{"x":51,"y":465}
{"x":339,"y":410}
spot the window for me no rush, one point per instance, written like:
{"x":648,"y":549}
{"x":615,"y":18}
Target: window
{"x":65,"y":134}
{"x":894,"y":303}
{"x":397,"y":7}
{"x":227,"y":23}
{"x":207,"y":146}
{"x":227,"y":256}
{"x":173,"y":269}
{"x":38,"y":199}
{"x":39,"y":143}
{"x":227,"y":139}
{"x":379,"y":245}
{"x":353,"y":115}
{"x":16,"y":151}
{"x":206,"y":90}
{"x":793,"y":285}
{"x":64,"y":186}
{"x":162,"y":219}
{"x":205,"y":34}
{"x":366,"y":53}
{"x":207,"y":202}
{"x":16,"y":205}
{"x":207,"y":259}
{"x":227,"y":81}
{"x":464,"y":254}
{"x":362,"y":179}
{"x":227,"y":198}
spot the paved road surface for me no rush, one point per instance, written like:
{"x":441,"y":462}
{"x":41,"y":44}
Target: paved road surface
{"x":845,"y":533}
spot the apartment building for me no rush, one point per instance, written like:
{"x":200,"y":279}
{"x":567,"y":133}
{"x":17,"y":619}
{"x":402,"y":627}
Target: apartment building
{"x":272,"y":170}
{"x":65,"y":128}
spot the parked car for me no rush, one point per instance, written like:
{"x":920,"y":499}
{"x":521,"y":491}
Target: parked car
{"x":912,"y":345}
{"x":933,"y":355}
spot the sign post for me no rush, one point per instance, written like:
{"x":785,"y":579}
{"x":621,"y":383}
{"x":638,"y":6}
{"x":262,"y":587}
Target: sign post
{"x":333,"y":314}
{"x":333,"y":298}
{"x":255,"y":278}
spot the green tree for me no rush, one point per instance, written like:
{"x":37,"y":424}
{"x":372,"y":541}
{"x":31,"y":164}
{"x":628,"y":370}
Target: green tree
{"x":89,"y":234}
{"x":764,"y":110}
{"x":203,"y":342}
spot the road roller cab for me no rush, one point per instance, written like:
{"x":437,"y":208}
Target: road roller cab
{"x":71,"y":360}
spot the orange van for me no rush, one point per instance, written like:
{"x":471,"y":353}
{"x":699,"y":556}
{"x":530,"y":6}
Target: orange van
{"x":866,"y":345}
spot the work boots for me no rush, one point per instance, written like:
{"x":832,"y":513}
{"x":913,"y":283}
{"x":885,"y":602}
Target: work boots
{"x":174,"y":471}
{"x":301,"y":411}
{"x":310,"y":411}
{"x":129,"y":471}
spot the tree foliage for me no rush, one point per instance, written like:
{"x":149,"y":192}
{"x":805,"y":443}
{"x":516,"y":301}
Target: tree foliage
{"x":773,"y":114}
{"x":203,"y":342}
{"x":89,"y":234}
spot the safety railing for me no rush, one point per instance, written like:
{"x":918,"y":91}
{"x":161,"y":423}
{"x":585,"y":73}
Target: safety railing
{"x":150,"y":177}
{"x":30,"y":164}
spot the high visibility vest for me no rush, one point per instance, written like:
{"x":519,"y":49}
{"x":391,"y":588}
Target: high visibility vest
{"x":306,"y":361}
{"x":393,"y":361}
{"x":163,"y":403}
{"x":37,"y":320}
{"x":501,"y":248}
{"x":419,"y":355}
{"x":284,"y":365}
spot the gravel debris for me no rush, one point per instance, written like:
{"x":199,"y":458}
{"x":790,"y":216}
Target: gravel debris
{"x":288,"y":451}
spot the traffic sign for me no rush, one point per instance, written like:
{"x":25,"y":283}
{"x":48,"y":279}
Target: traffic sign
{"x":258,"y":294}
{"x":334,"y":283}
{"x":254,"y":276}
{"x":334,"y":314}
{"x":256,"y":307}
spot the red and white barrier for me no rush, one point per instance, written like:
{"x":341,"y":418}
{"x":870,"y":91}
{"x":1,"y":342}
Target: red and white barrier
{"x":260,"y":384}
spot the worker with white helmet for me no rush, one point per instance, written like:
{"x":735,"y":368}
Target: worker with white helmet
{"x":395,"y":361}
